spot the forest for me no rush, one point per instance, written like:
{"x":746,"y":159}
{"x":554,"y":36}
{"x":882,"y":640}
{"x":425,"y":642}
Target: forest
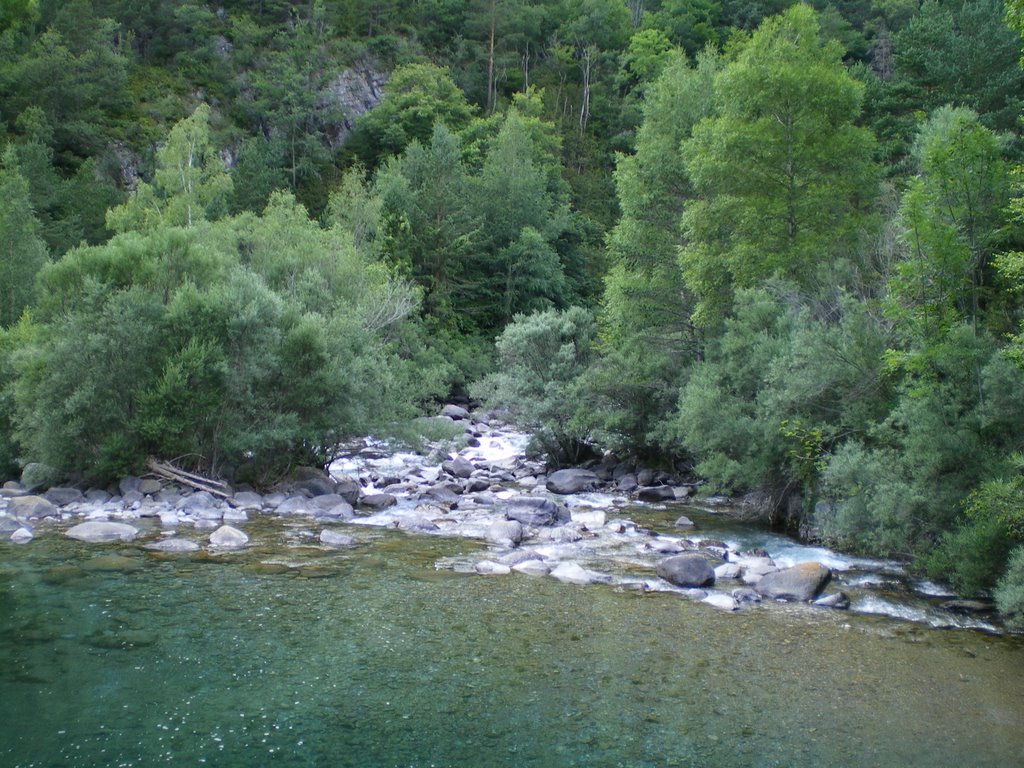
{"x":777,"y":246}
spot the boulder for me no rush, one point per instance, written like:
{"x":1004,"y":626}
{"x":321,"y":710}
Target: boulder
{"x":685,"y":523}
{"x":295,"y":505}
{"x":347,"y":487}
{"x":573,"y":573}
{"x":838,"y":600}
{"x":337,"y":540}
{"x":689,"y":570}
{"x":378,"y":501}
{"x":727,"y":571}
{"x":27,"y":507}
{"x":477,"y":484}
{"x":656,"y":493}
{"x":627,"y":483}
{"x":442,"y":494}
{"x":532,"y":567}
{"x":22,"y":536}
{"x":227,"y":537}
{"x":721,"y":601}
{"x":150,"y":486}
{"x":247,"y":500}
{"x":417,"y":523}
{"x":573,"y":480}
{"x":505,"y":533}
{"x":455,"y":412}
{"x":801,"y":582}
{"x":9,"y":525}
{"x":534,"y":511}
{"x":102,"y":531}
{"x":172,"y":546}
{"x":61,"y":497}
{"x":340,"y":511}
{"x":129,"y":483}
{"x":97,"y":496}
{"x":459,"y":467}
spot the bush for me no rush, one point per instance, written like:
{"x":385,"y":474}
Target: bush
{"x":541,"y":358}
{"x":239,"y":348}
{"x":1010,"y":590}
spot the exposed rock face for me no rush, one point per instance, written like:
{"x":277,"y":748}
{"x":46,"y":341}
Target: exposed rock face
{"x":354,"y":92}
{"x":102,"y":531}
{"x":801,"y":582}
{"x":572,"y":480}
{"x":689,"y":570}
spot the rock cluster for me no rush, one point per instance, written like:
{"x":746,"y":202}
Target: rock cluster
{"x":535,"y":523}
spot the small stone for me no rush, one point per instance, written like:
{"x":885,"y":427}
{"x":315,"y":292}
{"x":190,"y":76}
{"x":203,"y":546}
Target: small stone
{"x":227,"y":537}
{"x":685,"y":523}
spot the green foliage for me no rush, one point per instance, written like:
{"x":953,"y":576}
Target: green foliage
{"x":1009,"y":592}
{"x":540,"y":360}
{"x":782,"y":162}
{"x":190,"y":184}
{"x":22,"y":250}
{"x":239,"y":348}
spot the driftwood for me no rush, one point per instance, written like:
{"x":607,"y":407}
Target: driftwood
{"x":170,"y":472}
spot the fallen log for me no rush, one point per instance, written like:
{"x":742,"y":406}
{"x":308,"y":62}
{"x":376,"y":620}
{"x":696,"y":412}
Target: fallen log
{"x":170,"y":472}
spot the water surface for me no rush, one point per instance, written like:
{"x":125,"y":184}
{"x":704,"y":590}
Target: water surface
{"x":374,"y":657}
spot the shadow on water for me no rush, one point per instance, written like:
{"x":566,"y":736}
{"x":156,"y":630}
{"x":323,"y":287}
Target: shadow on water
{"x":297,"y":656}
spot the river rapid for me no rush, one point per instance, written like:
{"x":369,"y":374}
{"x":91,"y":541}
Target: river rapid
{"x":398,"y":652}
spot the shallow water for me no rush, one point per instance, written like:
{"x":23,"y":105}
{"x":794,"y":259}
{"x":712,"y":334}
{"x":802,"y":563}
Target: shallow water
{"x":374,"y":657}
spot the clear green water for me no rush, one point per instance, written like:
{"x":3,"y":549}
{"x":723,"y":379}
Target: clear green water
{"x":374,"y":658}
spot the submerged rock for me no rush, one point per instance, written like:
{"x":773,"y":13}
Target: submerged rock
{"x":690,"y":570}
{"x":685,"y":523}
{"x":227,"y":537}
{"x":97,"y":531}
{"x":721,"y":601}
{"x":801,"y":582}
{"x":173,"y":546}
{"x":337,"y":540}
{"x":532,"y":567}
{"x":22,"y":536}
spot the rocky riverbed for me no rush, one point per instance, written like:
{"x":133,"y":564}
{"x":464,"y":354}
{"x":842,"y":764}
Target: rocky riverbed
{"x":609,"y":524}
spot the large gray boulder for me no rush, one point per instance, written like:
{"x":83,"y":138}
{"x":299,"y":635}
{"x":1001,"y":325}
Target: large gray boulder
{"x":347,"y":487}
{"x":801,"y":582}
{"x":61,"y":497}
{"x":573,"y":480}
{"x":532,"y":510}
{"x":505,"y":533}
{"x":689,"y":570}
{"x":378,"y":501}
{"x":459,"y":467}
{"x":29,"y":507}
{"x":455,"y":412}
{"x":656,"y":493}
{"x":98,"y":531}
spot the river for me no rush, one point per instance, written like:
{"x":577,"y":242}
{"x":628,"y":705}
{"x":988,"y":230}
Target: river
{"x":397,"y":654}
